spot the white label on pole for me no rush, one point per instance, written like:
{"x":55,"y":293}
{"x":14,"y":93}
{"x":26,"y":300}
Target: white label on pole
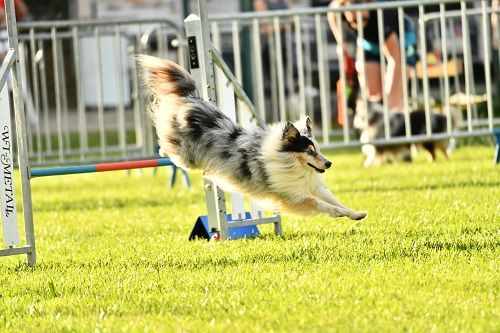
{"x":7,"y":196}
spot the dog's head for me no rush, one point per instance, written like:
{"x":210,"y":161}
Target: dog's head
{"x":300,"y":142}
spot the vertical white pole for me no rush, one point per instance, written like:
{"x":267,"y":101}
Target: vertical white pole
{"x":325,"y":111}
{"x":362,"y":63}
{"x":21,"y":135}
{"x":200,"y":60}
{"x":238,"y":71}
{"x":487,"y":71}
{"x":383,"y":66}
{"x":279,"y":68}
{"x":340,"y":54}
{"x":425,"y":77}
{"x":444,"y":52}
{"x":259,"y":79}
{"x":467,"y":67}
{"x":7,"y":196}
{"x":300,"y":65}
{"x":226,"y":103}
{"x":404,"y":68}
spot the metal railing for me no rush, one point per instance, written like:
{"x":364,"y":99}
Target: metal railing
{"x":295,"y":62}
{"x":82,"y":89}
{"x":83,"y":96}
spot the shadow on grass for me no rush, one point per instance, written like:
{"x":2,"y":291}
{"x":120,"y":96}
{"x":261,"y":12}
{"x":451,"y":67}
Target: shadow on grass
{"x":112,"y":203}
{"x":419,"y":187}
{"x":288,"y":251}
{"x":461,"y":245}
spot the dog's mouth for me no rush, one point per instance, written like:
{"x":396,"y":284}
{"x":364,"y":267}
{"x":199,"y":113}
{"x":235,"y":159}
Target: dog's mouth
{"x":317,"y":169}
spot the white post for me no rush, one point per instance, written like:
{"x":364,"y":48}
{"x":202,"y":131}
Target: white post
{"x":202,"y":71}
{"x":226,"y":102}
{"x":7,"y":196}
{"x":200,"y":61}
{"x":23,"y":160}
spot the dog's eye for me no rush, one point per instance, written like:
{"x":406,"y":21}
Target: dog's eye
{"x":310,"y":152}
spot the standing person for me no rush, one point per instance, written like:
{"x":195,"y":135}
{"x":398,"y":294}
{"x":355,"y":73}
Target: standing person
{"x":370,"y":45}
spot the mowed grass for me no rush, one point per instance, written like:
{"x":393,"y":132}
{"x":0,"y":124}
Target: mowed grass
{"x":113,"y":256}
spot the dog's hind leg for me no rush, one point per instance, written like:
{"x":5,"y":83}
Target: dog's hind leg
{"x":312,"y":205}
{"x":430,"y":147}
{"x":324,"y":194}
{"x":440,"y":145}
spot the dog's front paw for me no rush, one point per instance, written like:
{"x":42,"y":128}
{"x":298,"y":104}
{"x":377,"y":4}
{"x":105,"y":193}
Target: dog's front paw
{"x":359,"y":215}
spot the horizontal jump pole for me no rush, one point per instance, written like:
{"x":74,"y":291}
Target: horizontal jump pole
{"x":101,"y":167}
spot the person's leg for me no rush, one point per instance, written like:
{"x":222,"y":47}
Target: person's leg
{"x":496,"y":73}
{"x":373,"y":81}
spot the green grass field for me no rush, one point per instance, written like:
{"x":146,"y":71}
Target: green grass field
{"x":113,"y":256}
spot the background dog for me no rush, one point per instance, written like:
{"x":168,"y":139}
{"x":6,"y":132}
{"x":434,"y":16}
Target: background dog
{"x":372,"y":127}
{"x":280,"y":165}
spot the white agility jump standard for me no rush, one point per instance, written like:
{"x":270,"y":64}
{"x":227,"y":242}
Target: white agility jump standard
{"x":7,"y":195}
{"x":216,"y":225}
{"x":10,"y":70}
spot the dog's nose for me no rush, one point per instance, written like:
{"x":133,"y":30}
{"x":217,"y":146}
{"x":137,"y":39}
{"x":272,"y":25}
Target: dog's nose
{"x":328,"y":164}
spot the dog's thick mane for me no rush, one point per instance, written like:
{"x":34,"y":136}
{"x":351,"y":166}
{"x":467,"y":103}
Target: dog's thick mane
{"x":287,"y":175}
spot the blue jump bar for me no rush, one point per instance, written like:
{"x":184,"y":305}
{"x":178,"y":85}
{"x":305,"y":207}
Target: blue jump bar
{"x":70,"y":170}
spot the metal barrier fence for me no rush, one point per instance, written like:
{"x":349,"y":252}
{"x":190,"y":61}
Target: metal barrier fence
{"x":295,"y":62}
{"x":82,"y":90}
{"x":84,"y":101}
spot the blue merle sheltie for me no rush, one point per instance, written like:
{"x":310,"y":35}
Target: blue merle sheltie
{"x":280,"y":165}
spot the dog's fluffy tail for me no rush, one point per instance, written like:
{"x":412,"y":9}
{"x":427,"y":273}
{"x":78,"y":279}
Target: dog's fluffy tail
{"x":164,"y":77}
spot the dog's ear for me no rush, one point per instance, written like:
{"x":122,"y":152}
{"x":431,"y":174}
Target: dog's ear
{"x":290,"y":133}
{"x":308,"y":125}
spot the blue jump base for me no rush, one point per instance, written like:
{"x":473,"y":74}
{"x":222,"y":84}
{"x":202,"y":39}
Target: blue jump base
{"x":200,"y":229}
